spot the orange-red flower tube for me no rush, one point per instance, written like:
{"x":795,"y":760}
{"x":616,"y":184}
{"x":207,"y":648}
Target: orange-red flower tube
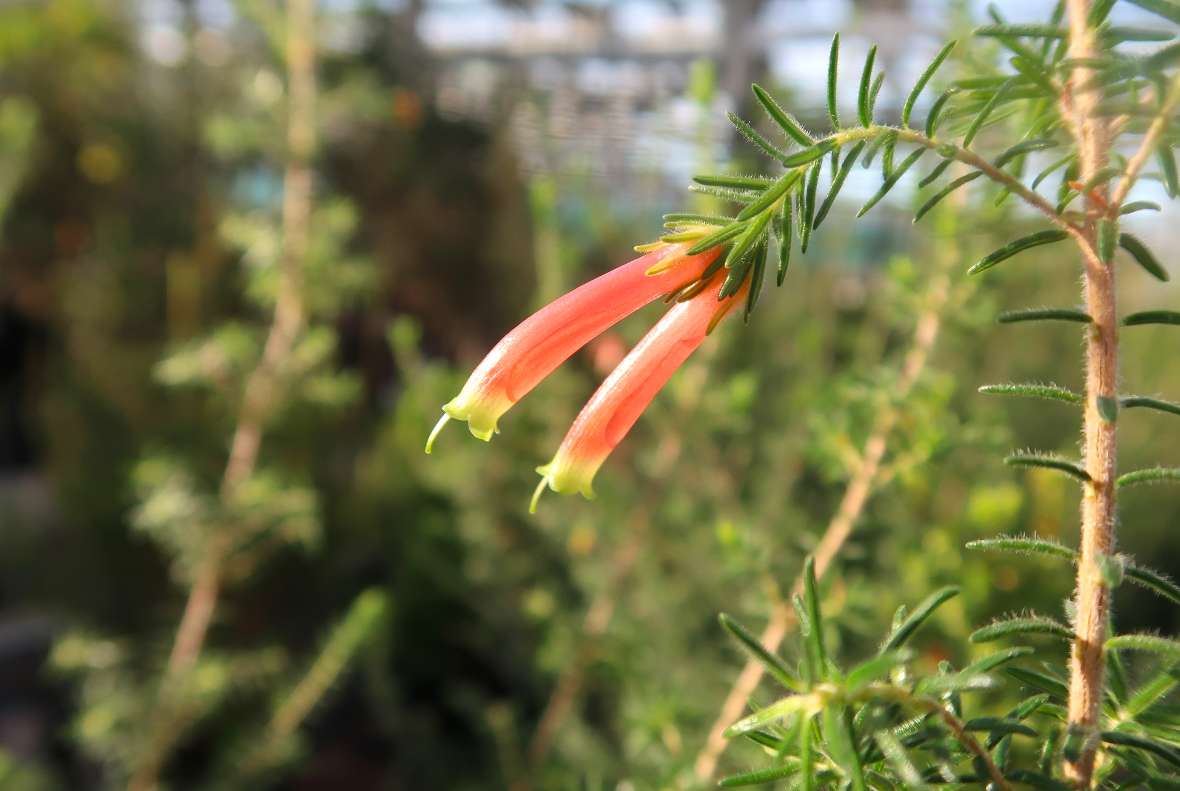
{"x":622,"y":397}
{"x":546,"y":339}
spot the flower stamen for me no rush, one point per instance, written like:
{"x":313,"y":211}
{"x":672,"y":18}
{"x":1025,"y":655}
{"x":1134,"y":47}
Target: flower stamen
{"x":434,"y":432}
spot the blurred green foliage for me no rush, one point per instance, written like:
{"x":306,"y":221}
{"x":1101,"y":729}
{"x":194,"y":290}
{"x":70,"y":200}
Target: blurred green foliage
{"x":394,"y":620}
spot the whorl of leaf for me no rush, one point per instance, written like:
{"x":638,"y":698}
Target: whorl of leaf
{"x":1048,"y":462}
{"x":1031,"y":390}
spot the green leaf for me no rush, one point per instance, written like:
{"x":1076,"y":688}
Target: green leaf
{"x":809,"y":154}
{"x":1167,"y":160}
{"x":866,"y":82}
{"x":751,"y":134}
{"x":934,"y":173}
{"x":1152,"y":691}
{"x":1143,"y":256}
{"x":1024,"y":147}
{"x":936,"y":111}
{"x":1149,"y":643}
{"x":874,"y":92}
{"x":895,"y":753}
{"x":1159,"y":749}
{"x":816,"y":649}
{"x":1051,"y":392}
{"x":1139,"y":205}
{"x":1000,"y":725}
{"x":953,"y":682}
{"x":1108,"y":408}
{"x":1022,"y":31}
{"x":734,"y":182}
{"x":1168,"y":9}
{"x":741,"y":197}
{"x":891,"y":181}
{"x":772,"y":713}
{"x":1045,"y":314}
{"x":1131,"y":402}
{"x":718,"y":237}
{"x":784,"y":241}
{"x":1149,"y":475}
{"x":981,"y":117}
{"x":1053,"y":168}
{"x":808,"y":216}
{"x":806,"y":753}
{"x":992,"y":661}
{"x":1021,"y":625}
{"x":1152,"y":317}
{"x":772,"y":194}
{"x":837,"y":727}
{"x":872,"y":669}
{"x":1155,"y":581}
{"x":944,"y":192}
{"x":833,"y":68}
{"x":785,"y":120}
{"x":1048,"y":462}
{"x":908,"y":107}
{"x":906,"y":629}
{"x":1036,"y":680}
{"x":774,"y":665}
{"x":761,"y":776}
{"x":683,"y":218}
{"x":1024,"y":545}
{"x":838,"y":182}
{"x":1018,"y":246}
{"x":1107,"y":238}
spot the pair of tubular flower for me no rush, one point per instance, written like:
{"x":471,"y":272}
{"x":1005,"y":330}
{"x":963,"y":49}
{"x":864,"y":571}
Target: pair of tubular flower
{"x":543,"y":341}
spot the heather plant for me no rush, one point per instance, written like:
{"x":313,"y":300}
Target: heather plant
{"x":1078,"y":102}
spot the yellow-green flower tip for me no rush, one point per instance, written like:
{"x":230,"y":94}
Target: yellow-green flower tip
{"x":481,"y":415}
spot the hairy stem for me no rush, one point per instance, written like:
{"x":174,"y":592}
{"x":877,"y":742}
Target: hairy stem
{"x":1087,"y":659}
{"x":262,"y":386}
{"x":856,"y":495}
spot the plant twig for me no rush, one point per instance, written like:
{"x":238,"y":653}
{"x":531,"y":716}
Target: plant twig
{"x":262,"y":385}
{"x":1087,"y":660}
{"x":856,"y":495}
{"x":1147,"y":145}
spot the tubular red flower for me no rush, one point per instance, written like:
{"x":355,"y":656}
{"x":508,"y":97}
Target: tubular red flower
{"x":546,"y":339}
{"x":620,"y":400}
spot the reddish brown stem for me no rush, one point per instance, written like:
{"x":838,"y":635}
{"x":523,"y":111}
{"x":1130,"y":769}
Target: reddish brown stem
{"x":1087,"y":658}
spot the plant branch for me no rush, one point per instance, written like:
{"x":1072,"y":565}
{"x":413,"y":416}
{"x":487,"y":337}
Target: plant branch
{"x":1158,"y":126}
{"x":262,"y":387}
{"x":1087,"y":659}
{"x":856,"y":496}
